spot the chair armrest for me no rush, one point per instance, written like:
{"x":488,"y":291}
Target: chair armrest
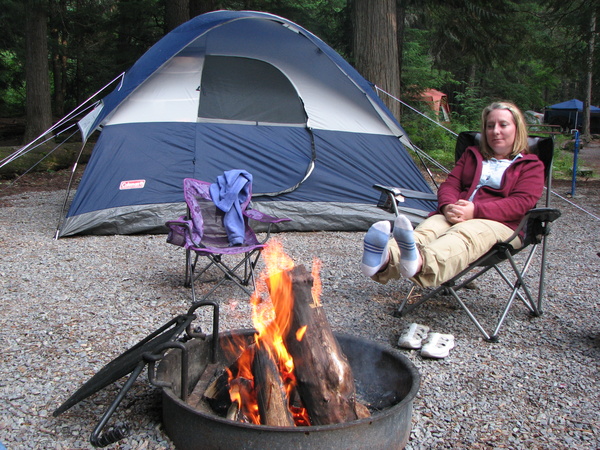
{"x":408,"y":193}
{"x":535,"y":224}
{"x":262,"y":217}
{"x":391,"y":196}
{"x":543,"y":214}
{"x":180,"y":233}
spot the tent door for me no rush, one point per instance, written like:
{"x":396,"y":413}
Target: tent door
{"x":240,"y":98}
{"x":248,"y":90}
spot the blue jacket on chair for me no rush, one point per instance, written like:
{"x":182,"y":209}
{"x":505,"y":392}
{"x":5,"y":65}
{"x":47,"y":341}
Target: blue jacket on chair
{"x":230,"y":191}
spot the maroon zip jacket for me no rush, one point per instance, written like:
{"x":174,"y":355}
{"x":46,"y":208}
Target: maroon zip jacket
{"x":521,"y":188}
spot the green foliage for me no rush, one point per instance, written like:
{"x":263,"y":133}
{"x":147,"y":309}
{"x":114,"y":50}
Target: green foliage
{"x":562,"y":164}
{"x":435,"y":140}
{"x":12,"y":90}
{"x":418,"y":71}
{"x":108,"y":42}
{"x":95,"y":40}
{"x":476,"y":51}
{"x":328,"y":19}
{"x":12,"y":74}
{"x":472,"y":104}
{"x":507,"y":50}
{"x":12,"y":23}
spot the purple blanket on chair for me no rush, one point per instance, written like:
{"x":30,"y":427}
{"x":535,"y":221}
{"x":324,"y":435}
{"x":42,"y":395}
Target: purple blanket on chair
{"x":231,"y":190}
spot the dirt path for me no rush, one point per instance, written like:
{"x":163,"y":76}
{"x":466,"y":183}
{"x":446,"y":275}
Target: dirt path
{"x":590,"y":156}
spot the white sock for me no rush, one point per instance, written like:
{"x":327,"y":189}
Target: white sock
{"x":405,"y":238}
{"x":375,"y":251}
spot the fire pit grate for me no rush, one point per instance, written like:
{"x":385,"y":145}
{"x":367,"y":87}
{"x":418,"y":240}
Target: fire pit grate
{"x":132,"y":362}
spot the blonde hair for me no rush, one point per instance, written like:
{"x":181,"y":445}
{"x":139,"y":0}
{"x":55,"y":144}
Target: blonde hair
{"x":520,"y":145}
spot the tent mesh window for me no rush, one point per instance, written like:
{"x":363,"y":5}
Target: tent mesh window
{"x":245,"y":89}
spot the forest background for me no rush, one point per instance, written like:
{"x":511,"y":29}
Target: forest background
{"x":57,"y":53}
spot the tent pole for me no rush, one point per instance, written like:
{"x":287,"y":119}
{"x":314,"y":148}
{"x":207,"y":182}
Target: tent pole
{"x":575,"y":157}
{"x":61,"y":217}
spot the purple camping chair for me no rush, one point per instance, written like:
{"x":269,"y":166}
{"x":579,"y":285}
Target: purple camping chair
{"x":203,"y":233}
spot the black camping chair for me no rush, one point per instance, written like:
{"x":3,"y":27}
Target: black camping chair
{"x":535,"y":224}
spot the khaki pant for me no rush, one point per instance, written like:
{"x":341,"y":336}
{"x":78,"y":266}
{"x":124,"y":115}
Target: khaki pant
{"x":447,"y":249}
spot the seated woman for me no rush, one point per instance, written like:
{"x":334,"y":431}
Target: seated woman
{"x":480,"y":204}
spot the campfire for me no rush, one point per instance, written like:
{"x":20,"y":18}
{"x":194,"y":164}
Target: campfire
{"x":294,"y":372}
{"x":289,"y":382}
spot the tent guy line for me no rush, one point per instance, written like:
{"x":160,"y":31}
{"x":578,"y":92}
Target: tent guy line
{"x":416,"y":110}
{"x":78,"y":110}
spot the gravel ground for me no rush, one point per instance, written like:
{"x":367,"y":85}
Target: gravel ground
{"x":71,"y":306}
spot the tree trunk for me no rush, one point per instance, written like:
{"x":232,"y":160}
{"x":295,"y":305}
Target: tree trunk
{"x":198,"y":7}
{"x":58,"y":49}
{"x":400,"y":25}
{"x":587,"y":135}
{"x":376,"y":46}
{"x":38,"y":107}
{"x":176,"y":13}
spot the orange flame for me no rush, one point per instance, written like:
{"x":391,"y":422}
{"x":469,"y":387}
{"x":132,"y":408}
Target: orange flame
{"x":300,"y":333}
{"x":272,"y":306}
{"x":316,"y":289}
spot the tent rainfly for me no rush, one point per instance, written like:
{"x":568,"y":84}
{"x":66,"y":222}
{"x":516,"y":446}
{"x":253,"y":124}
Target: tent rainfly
{"x":241,"y":90}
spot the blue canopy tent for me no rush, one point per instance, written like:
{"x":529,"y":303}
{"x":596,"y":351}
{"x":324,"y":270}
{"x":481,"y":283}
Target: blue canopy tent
{"x":241,"y":90}
{"x":569,"y":115}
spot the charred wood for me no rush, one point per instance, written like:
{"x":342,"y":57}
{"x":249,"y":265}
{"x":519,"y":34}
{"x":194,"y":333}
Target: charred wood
{"x":325,"y":380}
{"x":270,"y":391}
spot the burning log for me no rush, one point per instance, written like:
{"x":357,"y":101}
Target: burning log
{"x":231,"y":391}
{"x":217,"y":393}
{"x":242,"y":396}
{"x":206,"y":383}
{"x":295,"y":355}
{"x":270,"y":392}
{"x":325,"y":379}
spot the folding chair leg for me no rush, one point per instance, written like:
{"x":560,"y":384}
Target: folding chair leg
{"x":542,"y":279}
{"x":215,"y":260}
{"x":191,"y":263}
{"x":489,"y":338}
{"x":504,"y":314}
{"x":207,"y":295}
{"x":516,"y":286}
{"x":229,"y":274}
{"x":406,"y":308}
{"x":519,"y":284}
{"x":188,"y":271}
{"x":250,"y":266}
